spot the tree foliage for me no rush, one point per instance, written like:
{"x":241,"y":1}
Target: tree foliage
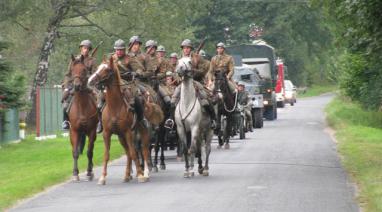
{"x":12,"y":85}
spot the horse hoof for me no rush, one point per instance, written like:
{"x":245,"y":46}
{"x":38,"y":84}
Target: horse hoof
{"x":192,"y":174}
{"x":155,"y":169}
{"x":219,"y":147}
{"x":76,"y":178}
{"x":142,"y":179}
{"x":127,"y":179}
{"x":163,"y":167}
{"x":200,"y":171}
{"x":179,"y":159}
{"x":226,"y":146}
{"x":205,"y":173}
{"x":90,"y":177}
{"x":186,"y":175}
{"x":101,"y":181}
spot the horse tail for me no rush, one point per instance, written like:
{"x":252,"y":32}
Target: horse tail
{"x":82,"y":142}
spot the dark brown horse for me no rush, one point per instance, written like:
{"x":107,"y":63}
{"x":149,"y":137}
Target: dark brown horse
{"x":82,"y":117}
{"x":118,"y":118}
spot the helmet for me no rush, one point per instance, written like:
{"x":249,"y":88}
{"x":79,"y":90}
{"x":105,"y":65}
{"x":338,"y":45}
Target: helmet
{"x":174,"y":54}
{"x":169,"y":74}
{"x":202,"y":53}
{"x":221,"y":44}
{"x":134,"y":39}
{"x":150,"y":43}
{"x":86,"y":43}
{"x":241,"y":83}
{"x":161,"y":49}
{"x":186,"y":42}
{"x":119,"y":44}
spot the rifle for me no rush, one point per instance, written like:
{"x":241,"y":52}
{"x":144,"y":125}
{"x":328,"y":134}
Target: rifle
{"x":201,"y":45}
{"x":96,"y":48}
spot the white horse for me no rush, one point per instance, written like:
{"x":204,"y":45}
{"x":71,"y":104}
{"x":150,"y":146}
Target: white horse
{"x":193,"y":124}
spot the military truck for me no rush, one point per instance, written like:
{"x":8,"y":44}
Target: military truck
{"x":261,"y":57}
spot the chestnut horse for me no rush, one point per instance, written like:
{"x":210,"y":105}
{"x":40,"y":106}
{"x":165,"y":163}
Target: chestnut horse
{"x":82,"y":117}
{"x":118,"y":118}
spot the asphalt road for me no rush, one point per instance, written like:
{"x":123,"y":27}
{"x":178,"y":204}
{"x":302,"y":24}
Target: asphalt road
{"x":289,"y":165}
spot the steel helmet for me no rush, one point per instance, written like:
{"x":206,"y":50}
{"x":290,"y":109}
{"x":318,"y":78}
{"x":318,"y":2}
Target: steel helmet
{"x":119,"y":44}
{"x":186,"y":42}
{"x":161,"y":49}
{"x":150,"y":43}
{"x":87,"y":43}
{"x":221,"y":44}
{"x":135,"y":39}
{"x":202,"y":53}
{"x":169,"y":74}
{"x":174,"y":54}
{"x":241,"y":83}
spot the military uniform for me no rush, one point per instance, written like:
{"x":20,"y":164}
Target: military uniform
{"x":243,"y":99}
{"x":222,"y":63}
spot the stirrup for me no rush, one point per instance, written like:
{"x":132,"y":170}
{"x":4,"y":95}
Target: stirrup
{"x":169,"y":124}
{"x":66,"y":125}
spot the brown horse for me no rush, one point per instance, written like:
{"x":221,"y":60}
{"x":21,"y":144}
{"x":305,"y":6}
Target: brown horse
{"x":117,"y":118}
{"x":82,"y":117}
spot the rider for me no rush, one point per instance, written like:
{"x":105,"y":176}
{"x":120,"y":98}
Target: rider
{"x":243,"y":99}
{"x":90,"y":63}
{"x":222,"y":62}
{"x":199,"y":76}
{"x":130,"y":90}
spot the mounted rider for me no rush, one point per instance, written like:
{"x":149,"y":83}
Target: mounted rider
{"x":243,"y":99}
{"x":199,"y":74}
{"x":132,"y":94}
{"x":90,"y":63}
{"x":224,"y":63}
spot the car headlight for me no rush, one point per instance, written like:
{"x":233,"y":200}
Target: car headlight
{"x":265,"y":102}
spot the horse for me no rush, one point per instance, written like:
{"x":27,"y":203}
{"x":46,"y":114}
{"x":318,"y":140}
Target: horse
{"x":225,"y":109}
{"x":193,"y":124}
{"x":118,"y":118}
{"x":83,"y":117}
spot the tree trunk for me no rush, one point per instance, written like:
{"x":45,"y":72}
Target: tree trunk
{"x":60,"y":10}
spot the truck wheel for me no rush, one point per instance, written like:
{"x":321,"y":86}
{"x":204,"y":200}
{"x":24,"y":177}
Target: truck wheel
{"x":275,"y":112}
{"x":269,"y":113}
{"x":292,"y":103}
{"x":281,"y":104}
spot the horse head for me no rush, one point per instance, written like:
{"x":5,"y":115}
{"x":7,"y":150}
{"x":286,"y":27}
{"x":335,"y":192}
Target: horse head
{"x":220,"y":83}
{"x":103,"y":73}
{"x":79,"y":72}
{"x":184,"y":67}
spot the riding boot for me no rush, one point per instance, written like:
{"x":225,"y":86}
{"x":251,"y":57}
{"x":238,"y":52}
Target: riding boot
{"x":169,"y":124}
{"x":65,"y":123}
{"x":210,"y":110}
{"x":138,"y":107}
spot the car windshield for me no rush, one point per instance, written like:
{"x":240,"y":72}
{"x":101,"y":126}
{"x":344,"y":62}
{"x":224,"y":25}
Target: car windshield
{"x":246,"y":75}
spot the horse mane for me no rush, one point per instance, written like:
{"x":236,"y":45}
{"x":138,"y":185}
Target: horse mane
{"x":117,"y":73}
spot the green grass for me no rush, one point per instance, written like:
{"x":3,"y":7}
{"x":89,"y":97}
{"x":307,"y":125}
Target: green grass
{"x":31,"y":166}
{"x":316,"y":90}
{"x":359,"y":134}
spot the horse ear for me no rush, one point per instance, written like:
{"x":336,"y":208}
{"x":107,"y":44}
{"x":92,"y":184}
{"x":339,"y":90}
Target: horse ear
{"x":73,"y":58}
{"x":82,"y":58}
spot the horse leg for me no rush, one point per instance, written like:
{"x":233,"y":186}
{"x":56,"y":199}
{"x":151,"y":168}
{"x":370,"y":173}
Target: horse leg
{"x":200,"y":158}
{"x":162,"y":146}
{"x":206,"y":150}
{"x":106,"y":156}
{"x":92,"y":137}
{"x":145,"y":139}
{"x":156,"y":150}
{"x":228,"y":129}
{"x":133,"y":155}
{"x":183,"y":141}
{"x":74,"y":138}
{"x":193,"y":149}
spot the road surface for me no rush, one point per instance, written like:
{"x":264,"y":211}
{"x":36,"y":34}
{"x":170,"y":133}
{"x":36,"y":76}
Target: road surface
{"x":289,"y":165}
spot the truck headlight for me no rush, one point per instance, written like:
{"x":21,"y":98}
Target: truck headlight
{"x":265,"y":102}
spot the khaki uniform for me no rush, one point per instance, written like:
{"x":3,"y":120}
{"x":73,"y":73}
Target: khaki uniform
{"x":222,"y":63}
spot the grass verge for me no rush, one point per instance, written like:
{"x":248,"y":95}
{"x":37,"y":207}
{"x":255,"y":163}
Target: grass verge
{"x":31,"y":166}
{"x":316,"y":90}
{"x":359,"y":135}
